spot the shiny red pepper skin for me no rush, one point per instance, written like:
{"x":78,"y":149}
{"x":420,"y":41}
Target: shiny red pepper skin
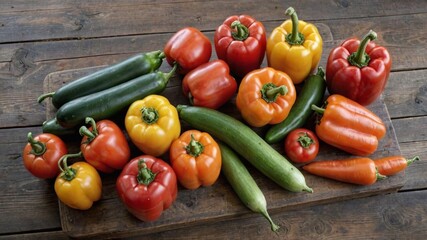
{"x":147,"y":186}
{"x":189,"y":48}
{"x":241,"y":42}
{"x":363,"y":79}
{"x":209,"y":85}
{"x":104,"y":146}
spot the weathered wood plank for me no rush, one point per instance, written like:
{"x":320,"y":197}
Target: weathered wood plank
{"x":415,"y":176}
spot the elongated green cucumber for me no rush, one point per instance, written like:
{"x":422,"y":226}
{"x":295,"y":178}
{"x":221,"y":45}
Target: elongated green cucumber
{"x":312,"y":92}
{"x":247,"y":143}
{"x":107,"y":77}
{"x":106,"y":103}
{"x":52,"y":126}
{"x":243,"y":184}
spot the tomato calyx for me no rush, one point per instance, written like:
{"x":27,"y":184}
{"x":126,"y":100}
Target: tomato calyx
{"x":67,"y":173}
{"x":270,"y":92}
{"x":194,"y":148}
{"x":37,"y":148}
{"x":145,"y":176}
{"x":305,"y":141}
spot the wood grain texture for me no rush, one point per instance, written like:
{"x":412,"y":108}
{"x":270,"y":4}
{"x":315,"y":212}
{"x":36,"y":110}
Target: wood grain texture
{"x":216,"y":203}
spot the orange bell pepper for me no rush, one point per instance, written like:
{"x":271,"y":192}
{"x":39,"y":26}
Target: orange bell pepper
{"x":347,"y":125}
{"x":265,"y":96}
{"x":196,"y":159}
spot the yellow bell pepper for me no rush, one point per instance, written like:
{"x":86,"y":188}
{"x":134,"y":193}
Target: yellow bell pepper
{"x":79,"y":185}
{"x":295,"y":47}
{"x":152,"y":124}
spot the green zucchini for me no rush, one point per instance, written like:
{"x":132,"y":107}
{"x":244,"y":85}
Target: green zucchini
{"x":110,"y":76}
{"x":243,"y":184}
{"x":247,"y":143}
{"x":106,"y":103}
{"x":52,"y":126}
{"x":312,"y":92}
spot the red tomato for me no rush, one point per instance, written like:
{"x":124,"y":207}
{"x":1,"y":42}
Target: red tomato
{"x":189,"y":48}
{"x":147,"y":186}
{"x":209,"y":85}
{"x":42,"y":153}
{"x":301,"y":145}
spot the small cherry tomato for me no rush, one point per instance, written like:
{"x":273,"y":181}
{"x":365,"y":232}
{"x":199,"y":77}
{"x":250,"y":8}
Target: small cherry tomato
{"x":301,"y":145}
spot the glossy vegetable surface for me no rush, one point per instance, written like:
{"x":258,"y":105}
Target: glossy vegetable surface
{"x":359,"y":171}
{"x":209,"y":85}
{"x":349,"y":126}
{"x":243,"y":184}
{"x":42,"y":153}
{"x":152,"y":124}
{"x":358,"y":70}
{"x":393,"y":164}
{"x":189,"y":48}
{"x":107,"y":103}
{"x":312,"y":92}
{"x":265,"y":96}
{"x":295,"y":47}
{"x":301,"y":145}
{"x":241,"y":42}
{"x":247,"y":143}
{"x":196,"y":159}
{"x":79,"y":185}
{"x":107,"y":77}
{"x":147,"y":186}
{"x":104,"y":145}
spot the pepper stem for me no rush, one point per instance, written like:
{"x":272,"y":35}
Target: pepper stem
{"x":194,"y":148}
{"x":241,"y":32}
{"x":317,"y":109}
{"x":361,"y":58}
{"x":84,"y":131}
{"x":44,"y":96}
{"x":305,"y":141}
{"x":170,"y":74}
{"x":270,"y":92}
{"x":38,"y":148}
{"x":411,"y":160}
{"x":149,"y":115}
{"x":67,"y":173}
{"x":294,"y":38}
{"x":145,"y":176}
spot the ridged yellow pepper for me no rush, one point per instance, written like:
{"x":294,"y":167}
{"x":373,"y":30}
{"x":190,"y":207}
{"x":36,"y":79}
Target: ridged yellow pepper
{"x":152,"y":124}
{"x":295,"y":47}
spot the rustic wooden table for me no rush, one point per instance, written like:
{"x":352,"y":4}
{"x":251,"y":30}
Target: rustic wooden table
{"x":37,"y":39}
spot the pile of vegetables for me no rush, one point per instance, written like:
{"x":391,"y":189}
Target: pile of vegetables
{"x":356,"y":74}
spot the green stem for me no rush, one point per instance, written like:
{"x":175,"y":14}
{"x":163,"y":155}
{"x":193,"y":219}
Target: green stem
{"x":320,"y":72}
{"x":84,"y":131}
{"x":270,"y":92}
{"x":170,"y":74}
{"x":145,"y":176}
{"x":295,"y":38}
{"x":44,"y":96}
{"x":411,"y":160}
{"x":360,"y":58}
{"x":67,"y":173}
{"x":241,"y":32}
{"x":274,"y":227}
{"x":305,"y":141}
{"x":149,"y":115}
{"x":317,"y":109}
{"x":380,"y":176}
{"x":38,"y":148}
{"x":194,"y":147}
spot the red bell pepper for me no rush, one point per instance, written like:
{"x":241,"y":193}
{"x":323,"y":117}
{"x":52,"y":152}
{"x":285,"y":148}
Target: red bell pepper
{"x":189,"y":48}
{"x":147,"y":186}
{"x":358,"y":70}
{"x":241,"y":42}
{"x":104,"y":145}
{"x":209,"y":85}
{"x":42,"y":153}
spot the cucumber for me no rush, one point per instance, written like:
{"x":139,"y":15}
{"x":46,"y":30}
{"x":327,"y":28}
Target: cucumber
{"x":106,"y":103}
{"x":312,"y":92}
{"x":243,"y":184}
{"x":247,"y":143}
{"x":52,"y":126}
{"x":110,"y":76}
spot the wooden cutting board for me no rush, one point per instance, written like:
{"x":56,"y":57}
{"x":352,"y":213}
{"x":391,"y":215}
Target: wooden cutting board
{"x":109,"y":218}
